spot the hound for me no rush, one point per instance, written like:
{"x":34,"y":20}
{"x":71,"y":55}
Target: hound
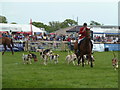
{"x":115,"y":62}
{"x":86,"y":59}
{"x":45,"y":55}
{"x":27,"y":58}
{"x":54,"y":57}
{"x":71,"y":58}
{"x":34,"y":57}
{"x":39,"y":50}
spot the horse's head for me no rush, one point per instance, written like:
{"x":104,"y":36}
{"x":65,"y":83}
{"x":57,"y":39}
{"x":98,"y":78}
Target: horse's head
{"x":88,"y":33}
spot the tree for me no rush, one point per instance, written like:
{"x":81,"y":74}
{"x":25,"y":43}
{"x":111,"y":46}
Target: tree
{"x":38,"y":24}
{"x":3,"y":19}
{"x":94,"y":23}
{"x":13,"y":23}
{"x":70,"y":22}
{"x":42,"y":25}
{"x":55,"y":25}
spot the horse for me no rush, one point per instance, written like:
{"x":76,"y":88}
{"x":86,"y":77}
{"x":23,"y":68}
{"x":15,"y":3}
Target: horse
{"x":84,"y":48}
{"x":6,"y":41}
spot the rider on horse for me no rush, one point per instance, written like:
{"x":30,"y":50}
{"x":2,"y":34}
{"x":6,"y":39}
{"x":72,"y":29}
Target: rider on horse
{"x":82,"y":34}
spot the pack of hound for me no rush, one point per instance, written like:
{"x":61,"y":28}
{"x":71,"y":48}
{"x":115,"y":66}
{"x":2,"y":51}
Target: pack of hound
{"x":71,"y":57}
{"x":48,"y":55}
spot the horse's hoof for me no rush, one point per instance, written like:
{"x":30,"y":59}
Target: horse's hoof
{"x":91,"y":66}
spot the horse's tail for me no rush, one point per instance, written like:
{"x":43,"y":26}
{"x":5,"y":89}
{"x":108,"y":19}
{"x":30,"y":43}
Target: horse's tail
{"x":12,"y":43}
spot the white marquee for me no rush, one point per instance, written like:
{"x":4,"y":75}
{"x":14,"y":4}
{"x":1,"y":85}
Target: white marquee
{"x":20,"y":28}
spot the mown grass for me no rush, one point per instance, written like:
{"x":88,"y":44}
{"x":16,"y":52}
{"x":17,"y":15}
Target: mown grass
{"x":62,"y":75}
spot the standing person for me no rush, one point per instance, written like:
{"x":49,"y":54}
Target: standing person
{"x":10,"y":34}
{"x":69,"y":43}
{"x":4,"y":35}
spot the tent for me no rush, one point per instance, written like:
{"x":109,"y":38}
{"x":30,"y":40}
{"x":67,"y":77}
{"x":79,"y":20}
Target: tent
{"x":24,"y":33}
{"x":3,"y":31}
{"x":20,"y":28}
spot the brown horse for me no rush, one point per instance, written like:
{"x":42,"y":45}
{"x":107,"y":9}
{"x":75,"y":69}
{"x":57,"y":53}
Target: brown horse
{"x":6,"y":41}
{"x":85,"y":48}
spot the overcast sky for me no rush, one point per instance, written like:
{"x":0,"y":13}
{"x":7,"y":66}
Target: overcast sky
{"x":21,"y":12}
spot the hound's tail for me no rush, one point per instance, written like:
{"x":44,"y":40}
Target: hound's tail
{"x":114,"y":54}
{"x":23,"y":54}
{"x":68,"y":52}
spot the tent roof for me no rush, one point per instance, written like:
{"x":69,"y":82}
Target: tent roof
{"x":98,"y":29}
{"x":19,"y":28}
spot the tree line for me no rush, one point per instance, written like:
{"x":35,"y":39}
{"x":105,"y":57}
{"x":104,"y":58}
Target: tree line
{"x":53,"y":25}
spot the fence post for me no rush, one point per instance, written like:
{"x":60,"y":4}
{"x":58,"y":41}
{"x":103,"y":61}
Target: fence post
{"x":26,"y":46}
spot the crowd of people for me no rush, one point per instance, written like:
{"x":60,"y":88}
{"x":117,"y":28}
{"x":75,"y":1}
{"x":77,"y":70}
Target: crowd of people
{"x":106,"y":39}
{"x":55,"y":37}
{"x":61,"y":37}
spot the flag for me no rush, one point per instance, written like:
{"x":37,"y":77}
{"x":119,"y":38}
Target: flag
{"x":31,"y":26}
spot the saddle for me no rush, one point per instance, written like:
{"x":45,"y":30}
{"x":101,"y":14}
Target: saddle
{"x":81,"y":42}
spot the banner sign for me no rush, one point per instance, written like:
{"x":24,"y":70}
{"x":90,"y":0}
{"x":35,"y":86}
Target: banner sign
{"x":98,"y":47}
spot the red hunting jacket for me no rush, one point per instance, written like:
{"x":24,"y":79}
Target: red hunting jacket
{"x":82,"y":32}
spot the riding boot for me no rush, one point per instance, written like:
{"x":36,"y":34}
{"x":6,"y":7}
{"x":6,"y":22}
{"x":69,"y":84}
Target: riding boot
{"x":91,"y":46}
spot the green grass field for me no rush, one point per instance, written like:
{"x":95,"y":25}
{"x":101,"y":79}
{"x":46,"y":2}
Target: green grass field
{"x":62,"y":75}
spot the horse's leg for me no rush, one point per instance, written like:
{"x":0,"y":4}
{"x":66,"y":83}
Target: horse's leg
{"x":75,"y":51}
{"x":5,"y":48}
{"x":11,"y":49}
{"x":82,"y":61}
{"x":79,"y":58}
{"x":90,"y":59}
{"x":91,"y":45}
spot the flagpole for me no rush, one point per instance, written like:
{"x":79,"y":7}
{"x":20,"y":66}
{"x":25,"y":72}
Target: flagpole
{"x":77,"y":20}
{"x":31,"y":26}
